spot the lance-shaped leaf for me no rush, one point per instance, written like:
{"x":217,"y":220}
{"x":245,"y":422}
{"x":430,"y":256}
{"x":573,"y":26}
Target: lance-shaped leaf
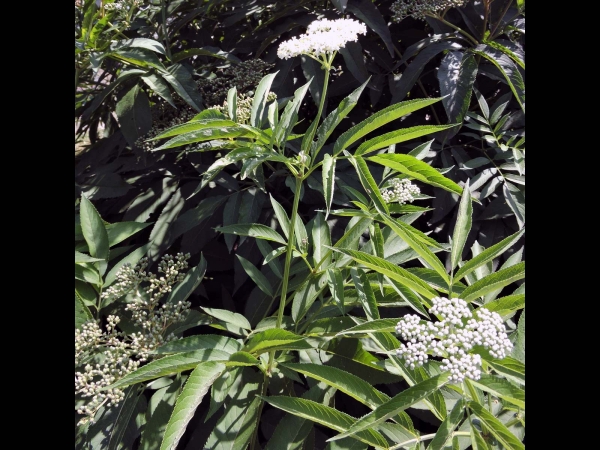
{"x":334,"y":118}
{"x":511,"y":368}
{"x":321,"y":237}
{"x":398,"y":136}
{"x":350,"y":237}
{"x":290,"y":116}
{"x":230,"y":317}
{"x":372,"y":326}
{"x":379,"y":119}
{"x":197,"y":385}
{"x":496,"y":428}
{"x":170,"y":365}
{"x":384,"y":267}
{"x":275,"y":339}
{"x":506,"y":305}
{"x":325,"y":415}
{"x":417,"y":245}
{"x":232,"y":103}
{"x":488,"y":254}
{"x":82,"y":313}
{"x":198,"y":342}
{"x":282,"y":217}
{"x":328,"y":171}
{"x":457,"y":74}
{"x":206,"y":134}
{"x":306,"y":295}
{"x":396,"y":404}
{"x":182,"y":82}
{"x":336,"y":287}
{"x":462,"y":227}
{"x":365,"y":293}
{"x":195,"y":125}
{"x":502,"y":388}
{"x":444,"y":432}
{"x":254,"y":230}
{"x":158,"y":85}
{"x":494,"y":281}
{"x":369,"y":184}
{"x":419,"y":170}
{"x":260,"y":99}
{"x":94,"y":232}
{"x":261,"y":281}
{"x":410,"y":296}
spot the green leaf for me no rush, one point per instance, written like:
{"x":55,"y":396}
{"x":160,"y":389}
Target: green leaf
{"x":160,"y":409}
{"x":94,"y":232}
{"x":138,"y":57}
{"x":398,"y":136}
{"x":464,"y":220}
{"x":396,"y":404}
{"x":365,"y":293}
{"x":196,"y":387}
{"x":160,"y":87}
{"x":519,"y":350}
{"x":414,"y":240}
{"x":274,"y":339}
{"x":254,"y":230}
{"x":230,"y":317}
{"x":198,"y":342}
{"x":242,"y":359}
{"x":169,"y":365}
{"x":132,"y":259}
{"x":384,"y":267}
{"x":444,"y":432}
{"x":260,"y":280}
{"x":188,"y":285}
{"x":379,"y":119}
{"x":499,"y":387}
{"x":149,"y":44}
{"x":457,"y":74}
{"x":477,"y":441}
{"x":82,"y":313}
{"x":324,"y":415}
{"x":419,"y":170}
{"x":372,"y":326}
{"x":488,"y":254}
{"x":328,"y":171}
{"x":332,"y":121}
{"x":118,"y":232}
{"x":506,"y":305}
{"x":511,"y":368}
{"x":206,"y":134}
{"x":368,"y":13}
{"x":321,"y":238}
{"x":195,"y":125}
{"x":369,"y":184}
{"x":260,"y":99}
{"x":182,"y":82}
{"x":496,"y":428}
{"x":135,"y":117}
{"x":307,"y":294}
{"x":290,"y":116}
{"x":180,"y":56}
{"x":336,"y":287}
{"x":494,"y":281}
{"x":410,"y":297}
{"x":83,"y":258}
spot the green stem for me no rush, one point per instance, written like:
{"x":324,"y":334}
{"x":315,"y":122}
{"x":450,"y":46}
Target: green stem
{"x":486,"y":13}
{"x":164,"y":29}
{"x":327,"y":65}
{"x":451,"y":25}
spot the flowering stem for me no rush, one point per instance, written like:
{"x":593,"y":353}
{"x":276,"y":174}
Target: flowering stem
{"x":327,"y":63}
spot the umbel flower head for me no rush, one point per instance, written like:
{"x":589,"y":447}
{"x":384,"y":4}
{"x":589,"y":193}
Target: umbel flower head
{"x":322,"y":37}
{"x":453,"y":337}
{"x":402,"y":191}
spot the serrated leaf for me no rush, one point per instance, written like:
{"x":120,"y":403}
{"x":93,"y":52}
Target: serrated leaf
{"x":198,"y":342}
{"x":274,"y":338}
{"x":511,"y":368}
{"x":496,"y":428}
{"x":230,"y":317}
{"x":506,"y":305}
{"x":94,"y":233}
{"x":254,"y":230}
{"x":462,"y":227}
{"x":170,"y":365}
{"x":369,"y":184}
{"x":282,"y":217}
{"x":160,"y":409}
{"x":419,"y":170}
{"x":306,"y":295}
{"x":398,"y":136}
{"x":260,"y":98}
{"x":195,"y":125}
{"x":83,"y":258}
{"x":160,"y":87}
{"x":182,"y":82}
{"x":324,"y":415}
{"x":197,"y":385}
{"x":336,"y":287}
{"x":321,"y":238}
{"x":365,"y":293}
{"x":444,"y":432}
{"x":384,"y":267}
{"x":205,"y":134}
{"x":290,"y":116}
{"x":395,"y":405}
{"x":372,"y":326}
{"x":82,"y":313}
{"x":261,"y":281}
{"x":488,"y":255}
{"x":379,"y":119}
{"x":494,"y":281}
{"x":457,"y":74}
{"x":499,"y":387}
{"x":328,"y":171}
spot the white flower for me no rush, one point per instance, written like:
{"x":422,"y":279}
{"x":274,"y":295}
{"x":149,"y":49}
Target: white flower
{"x":322,"y":37}
{"x":403,"y":191}
{"x":457,"y":333}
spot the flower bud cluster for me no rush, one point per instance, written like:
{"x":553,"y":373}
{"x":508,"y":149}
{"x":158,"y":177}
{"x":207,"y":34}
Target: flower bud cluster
{"x":419,"y":9}
{"x":322,"y":36}
{"x":452,"y":338}
{"x":402,"y":191}
{"x":243,"y":106}
{"x":103,"y":357}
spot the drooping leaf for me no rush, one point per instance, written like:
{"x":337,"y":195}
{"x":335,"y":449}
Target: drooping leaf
{"x":496,"y":427}
{"x":94,"y":232}
{"x":494,"y":281}
{"x":372,"y":326}
{"x":160,"y":87}
{"x":365,"y":293}
{"x":290,"y":116}
{"x":230,"y":317}
{"x":462,"y":227}
{"x":135,"y":118}
{"x":254,"y":230}
{"x":261,"y":281}
{"x":260,"y":99}
{"x":457,"y":73}
{"x":198,"y":342}
{"x":197,"y":385}
{"x":328,"y":171}
{"x":182,"y":82}
{"x":275,"y":338}
{"x":444,"y":432}
{"x":369,"y":184}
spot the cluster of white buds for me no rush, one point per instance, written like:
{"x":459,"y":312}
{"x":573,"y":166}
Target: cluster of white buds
{"x":419,"y":9}
{"x":243,"y":106}
{"x":452,"y":338}
{"x":402,"y":191}
{"x":103,"y":357}
{"x":322,"y":36}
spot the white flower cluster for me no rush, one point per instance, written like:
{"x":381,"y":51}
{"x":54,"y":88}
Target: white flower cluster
{"x":451,"y":338}
{"x":403,"y":191}
{"x":105,"y":357}
{"x":322,"y":36}
{"x":418,"y":9}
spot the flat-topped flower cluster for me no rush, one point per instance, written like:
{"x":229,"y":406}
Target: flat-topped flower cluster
{"x":402,"y":191}
{"x":322,"y":36}
{"x":453,"y":337}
